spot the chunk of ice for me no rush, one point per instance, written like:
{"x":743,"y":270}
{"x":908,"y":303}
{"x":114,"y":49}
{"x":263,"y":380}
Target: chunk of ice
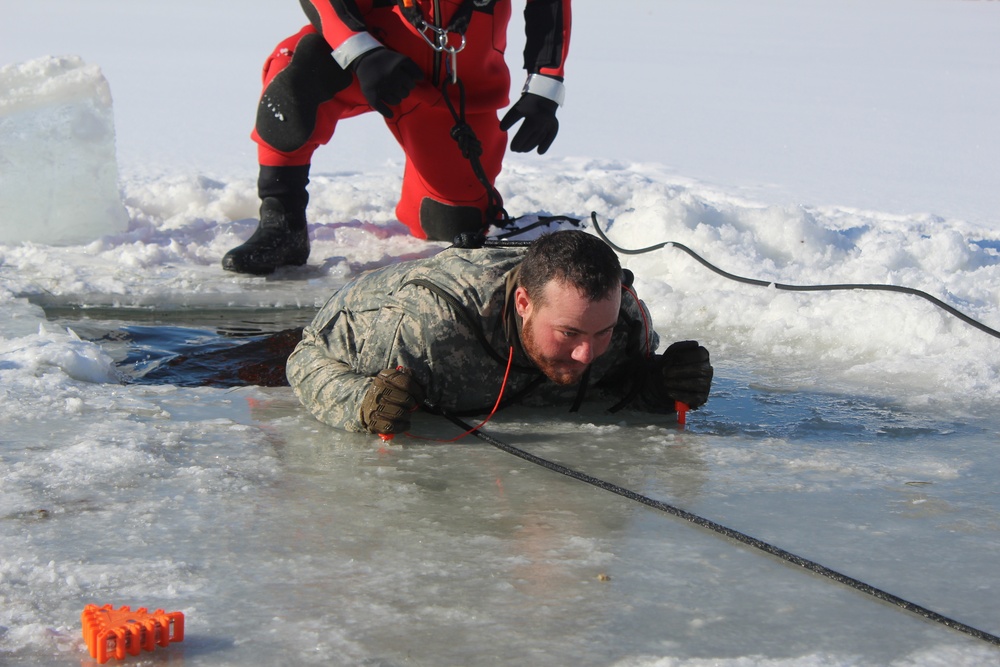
{"x":58,"y":170}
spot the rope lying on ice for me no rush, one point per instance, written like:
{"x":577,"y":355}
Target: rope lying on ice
{"x":798,"y":288}
{"x":743,"y":538}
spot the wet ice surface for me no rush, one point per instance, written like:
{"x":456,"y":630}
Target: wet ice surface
{"x":866,"y":448}
{"x":285,"y":542}
{"x":799,"y":143}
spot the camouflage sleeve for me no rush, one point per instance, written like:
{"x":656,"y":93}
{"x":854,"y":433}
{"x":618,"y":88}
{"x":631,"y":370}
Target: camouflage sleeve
{"x":331,"y":368}
{"x":389,"y":318}
{"x":369,"y":330}
{"x":328,"y":387}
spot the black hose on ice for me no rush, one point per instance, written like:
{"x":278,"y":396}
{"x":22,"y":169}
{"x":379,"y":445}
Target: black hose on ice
{"x":798,"y":288}
{"x":743,"y":538}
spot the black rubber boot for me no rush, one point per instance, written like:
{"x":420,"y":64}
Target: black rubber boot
{"x":281,"y":239}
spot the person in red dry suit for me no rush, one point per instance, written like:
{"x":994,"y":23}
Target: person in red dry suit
{"x":400,"y":58}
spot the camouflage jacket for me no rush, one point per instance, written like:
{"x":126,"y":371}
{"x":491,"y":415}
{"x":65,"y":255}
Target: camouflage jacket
{"x":451,"y":320}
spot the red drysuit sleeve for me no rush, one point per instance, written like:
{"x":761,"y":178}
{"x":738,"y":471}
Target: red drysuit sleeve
{"x":337,"y":20}
{"x":547,"y":28}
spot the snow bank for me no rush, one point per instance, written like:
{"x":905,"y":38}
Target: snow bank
{"x":58,"y":173}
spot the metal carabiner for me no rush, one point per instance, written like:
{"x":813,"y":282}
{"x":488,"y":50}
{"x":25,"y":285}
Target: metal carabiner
{"x":442,"y":44}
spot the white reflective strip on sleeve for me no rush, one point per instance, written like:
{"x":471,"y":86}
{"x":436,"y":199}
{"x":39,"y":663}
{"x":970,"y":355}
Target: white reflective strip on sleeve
{"x":354,"y":46}
{"x":545,"y":86}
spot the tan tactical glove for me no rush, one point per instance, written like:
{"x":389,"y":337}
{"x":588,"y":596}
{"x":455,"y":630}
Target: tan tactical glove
{"x":387,"y":405}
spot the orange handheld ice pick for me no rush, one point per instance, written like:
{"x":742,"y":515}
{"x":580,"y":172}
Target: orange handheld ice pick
{"x":682,"y":412}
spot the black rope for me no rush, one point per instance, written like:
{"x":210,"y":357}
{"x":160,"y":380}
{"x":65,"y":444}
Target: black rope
{"x":743,"y":538}
{"x":799,"y":288}
{"x":542,"y":221}
{"x":474,"y":240}
{"x":472,"y":149}
{"x":468,"y":143}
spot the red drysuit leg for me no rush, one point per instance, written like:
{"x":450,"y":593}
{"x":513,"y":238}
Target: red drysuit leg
{"x":437,"y":180}
{"x":435,"y":166}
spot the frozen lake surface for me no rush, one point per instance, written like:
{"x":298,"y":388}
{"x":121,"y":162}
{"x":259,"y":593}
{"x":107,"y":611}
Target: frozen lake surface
{"x":797,"y":143}
{"x":286,"y":543}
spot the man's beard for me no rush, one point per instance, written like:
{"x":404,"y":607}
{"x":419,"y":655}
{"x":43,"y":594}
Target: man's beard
{"x":553,"y":369}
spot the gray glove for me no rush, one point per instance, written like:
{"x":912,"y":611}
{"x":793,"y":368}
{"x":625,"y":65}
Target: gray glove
{"x":387,"y":405}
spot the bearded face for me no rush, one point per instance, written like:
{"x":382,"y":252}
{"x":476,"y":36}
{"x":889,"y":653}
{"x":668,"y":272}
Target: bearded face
{"x":564,"y":331}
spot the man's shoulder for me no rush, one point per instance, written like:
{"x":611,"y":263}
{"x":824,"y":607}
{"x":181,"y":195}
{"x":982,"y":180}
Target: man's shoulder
{"x":474,"y":277}
{"x":460,"y":269}
{"x":482,"y":257}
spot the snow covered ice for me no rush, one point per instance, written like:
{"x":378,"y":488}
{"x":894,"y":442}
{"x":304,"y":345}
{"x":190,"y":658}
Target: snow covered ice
{"x":799,"y":143}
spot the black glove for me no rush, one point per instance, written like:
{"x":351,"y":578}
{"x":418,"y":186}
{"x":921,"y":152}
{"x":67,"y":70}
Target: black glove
{"x":682,"y":373}
{"x":386,"y":77}
{"x":387,"y":405}
{"x":540,"y":124}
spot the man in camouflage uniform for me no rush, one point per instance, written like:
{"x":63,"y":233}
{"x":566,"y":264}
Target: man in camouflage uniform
{"x":442,"y":331}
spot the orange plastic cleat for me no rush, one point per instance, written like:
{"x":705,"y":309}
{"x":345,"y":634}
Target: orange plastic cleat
{"x":111,"y":633}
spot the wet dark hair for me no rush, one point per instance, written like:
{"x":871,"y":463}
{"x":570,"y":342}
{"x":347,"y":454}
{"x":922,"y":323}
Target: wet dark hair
{"x":580,"y":259}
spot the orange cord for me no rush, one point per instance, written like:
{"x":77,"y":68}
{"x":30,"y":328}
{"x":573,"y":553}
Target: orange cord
{"x":503,"y":387}
{"x":680,"y":407}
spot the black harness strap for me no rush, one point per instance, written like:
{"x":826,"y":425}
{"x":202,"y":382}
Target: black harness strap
{"x":472,"y":149}
{"x":581,"y":393}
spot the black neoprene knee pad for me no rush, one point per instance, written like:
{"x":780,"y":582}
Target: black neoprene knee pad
{"x":286,"y":114}
{"x":443,"y":222}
